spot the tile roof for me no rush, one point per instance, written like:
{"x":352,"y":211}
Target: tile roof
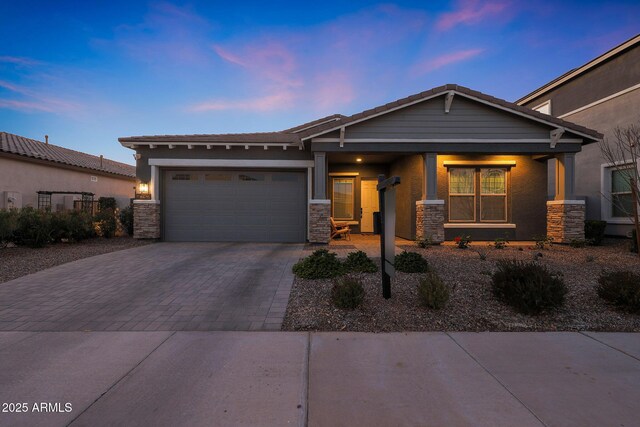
{"x":31,"y":148}
{"x":260,"y":137}
{"x":314,"y":123}
{"x":441,"y":90}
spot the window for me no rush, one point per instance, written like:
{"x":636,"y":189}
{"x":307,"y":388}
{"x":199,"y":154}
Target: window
{"x":184,"y":177}
{"x":621,"y":199}
{"x":252,"y":177}
{"x":218,"y":176}
{"x":343,"y":198}
{"x":489,"y":199}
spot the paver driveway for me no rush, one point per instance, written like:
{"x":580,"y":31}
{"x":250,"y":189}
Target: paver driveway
{"x":164,"y":287}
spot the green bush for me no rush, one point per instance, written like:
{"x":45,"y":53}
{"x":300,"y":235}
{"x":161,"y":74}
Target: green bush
{"x":621,"y":288}
{"x":359,"y":262}
{"x":500,"y":243}
{"x":107,"y":203}
{"x":126,"y":219}
{"x":528,"y":287}
{"x":8,"y":226}
{"x":33,"y":228}
{"x":542,"y":242}
{"x":411,"y":262}
{"x":72,"y":226}
{"x":594,"y":231}
{"x":105,"y":223}
{"x":347,"y":293}
{"x":433,"y":292}
{"x":578,"y":243}
{"x":321,"y":264}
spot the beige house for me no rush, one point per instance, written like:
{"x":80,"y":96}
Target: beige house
{"x":29,"y":168}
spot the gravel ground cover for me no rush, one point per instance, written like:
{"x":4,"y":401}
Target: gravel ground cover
{"x":472,"y":306}
{"x":19,"y":261}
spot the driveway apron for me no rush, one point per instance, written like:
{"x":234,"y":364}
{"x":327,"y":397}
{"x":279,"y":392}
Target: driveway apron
{"x":159,"y":287}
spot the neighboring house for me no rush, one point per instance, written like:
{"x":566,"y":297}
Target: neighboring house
{"x":469,"y":163}
{"x":602,"y":94}
{"x":28,"y":166}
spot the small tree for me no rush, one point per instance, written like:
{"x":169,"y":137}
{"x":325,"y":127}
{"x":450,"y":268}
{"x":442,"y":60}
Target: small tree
{"x":623,"y":153}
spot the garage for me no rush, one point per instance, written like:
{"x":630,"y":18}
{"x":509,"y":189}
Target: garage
{"x":234,"y":205}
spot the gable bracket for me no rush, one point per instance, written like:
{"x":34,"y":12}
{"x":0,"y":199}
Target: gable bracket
{"x":342,"y":137}
{"x":448,"y":99}
{"x":555,"y":136}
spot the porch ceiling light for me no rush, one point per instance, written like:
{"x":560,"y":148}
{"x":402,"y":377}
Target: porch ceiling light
{"x":143,"y":187}
{"x":359,"y":159}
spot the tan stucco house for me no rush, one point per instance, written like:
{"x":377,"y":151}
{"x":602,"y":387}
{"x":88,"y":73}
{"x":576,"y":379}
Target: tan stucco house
{"x":34,"y":173}
{"x":469,"y":163}
{"x":602,"y":94}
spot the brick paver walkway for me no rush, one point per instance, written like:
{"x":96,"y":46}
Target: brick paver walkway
{"x":164,"y":287}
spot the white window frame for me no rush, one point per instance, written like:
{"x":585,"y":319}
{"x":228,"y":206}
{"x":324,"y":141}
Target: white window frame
{"x":475,"y":171}
{"x":606,"y":204}
{"x":353,"y":197}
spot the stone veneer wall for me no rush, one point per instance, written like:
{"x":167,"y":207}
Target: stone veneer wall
{"x":319,"y":222}
{"x":146,"y":220}
{"x":565,"y":221}
{"x":430,"y":221}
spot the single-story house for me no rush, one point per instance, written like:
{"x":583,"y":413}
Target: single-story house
{"x":602,"y":94}
{"x":469,"y":163}
{"x":39,"y":174}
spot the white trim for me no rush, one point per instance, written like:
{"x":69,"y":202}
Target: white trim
{"x":344,"y":173}
{"x":191,"y":145}
{"x":232,"y":163}
{"x":479,"y":225}
{"x":429,"y":202}
{"x":154,"y":187}
{"x":451,"y":140}
{"x":448,"y":99}
{"x":146,"y":202}
{"x":600,"y":101}
{"x":537,"y":107}
{"x":479,"y":163}
{"x":565,"y":202}
{"x":319,"y":202}
{"x":579,"y":70}
{"x":482,"y":101}
{"x":605,"y":192}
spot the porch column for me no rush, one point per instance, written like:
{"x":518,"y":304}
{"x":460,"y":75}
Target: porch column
{"x":430,"y":210}
{"x":565,"y":214}
{"x":319,"y":206}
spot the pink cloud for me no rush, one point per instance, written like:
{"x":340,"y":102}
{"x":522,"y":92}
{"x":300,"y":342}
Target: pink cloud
{"x":278,"y":101}
{"x":18,"y":60}
{"x":432,"y":64}
{"x":471,"y":12}
{"x":36,"y":100}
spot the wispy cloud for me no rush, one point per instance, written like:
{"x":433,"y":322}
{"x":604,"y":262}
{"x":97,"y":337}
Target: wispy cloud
{"x":471,"y":12}
{"x":432,"y":64}
{"x":26,"y":99}
{"x":264,"y":103}
{"x":19,"y":60}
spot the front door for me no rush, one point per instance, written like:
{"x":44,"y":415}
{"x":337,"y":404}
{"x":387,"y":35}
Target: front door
{"x":368,"y":204}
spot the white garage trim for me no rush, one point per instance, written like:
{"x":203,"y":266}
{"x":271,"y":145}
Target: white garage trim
{"x":231,"y":163}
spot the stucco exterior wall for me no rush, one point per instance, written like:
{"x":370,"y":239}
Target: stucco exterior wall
{"x":27,"y":178}
{"x":410,"y":171}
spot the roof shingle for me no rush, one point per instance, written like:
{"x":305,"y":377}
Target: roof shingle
{"x":31,"y":148}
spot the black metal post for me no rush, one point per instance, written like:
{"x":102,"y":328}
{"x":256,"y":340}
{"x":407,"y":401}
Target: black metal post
{"x":386,"y":279}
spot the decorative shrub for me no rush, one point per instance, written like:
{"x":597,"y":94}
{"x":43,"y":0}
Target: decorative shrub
{"x":425,"y":243}
{"x":105,"y":223}
{"x":126,"y":219}
{"x":594,"y":231}
{"x":578,"y":243}
{"x":347,"y":293}
{"x":321,"y":264}
{"x":433,"y":292}
{"x":542,"y":242}
{"x":500,"y":243}
{"x":33,"y":228}
{"x":621,"y":288}
{"x":462,"y":241}
{"x":528,"y":287}
{"x":8,"y":226}
{"x":359,"y":262}
{"x":411,"y":262}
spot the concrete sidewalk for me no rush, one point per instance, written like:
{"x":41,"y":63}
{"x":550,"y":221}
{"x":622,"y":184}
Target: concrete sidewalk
{"x":321,"y":379}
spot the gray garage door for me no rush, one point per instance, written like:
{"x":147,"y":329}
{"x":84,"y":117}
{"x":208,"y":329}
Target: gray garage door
{"x":235,"y":206}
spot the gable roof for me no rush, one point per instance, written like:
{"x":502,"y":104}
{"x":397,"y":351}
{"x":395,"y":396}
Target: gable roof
{"x":580,"y":70}
{"x":33,"y":149}
{"x":314,"y":123}
{"x":456,"y":90}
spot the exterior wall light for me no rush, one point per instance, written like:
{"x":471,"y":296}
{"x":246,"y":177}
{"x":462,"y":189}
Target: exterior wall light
{"x":143,"y":188}
{"x":359,"y":160}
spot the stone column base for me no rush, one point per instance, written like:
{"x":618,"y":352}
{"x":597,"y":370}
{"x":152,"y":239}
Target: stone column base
{"x":146,"y":219}
{"x":430,"y":220}
{"x":565,"y":220}
{"x":319,"y":222}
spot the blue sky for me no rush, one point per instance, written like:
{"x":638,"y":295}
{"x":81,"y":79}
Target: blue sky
{"x":86,"y":73}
